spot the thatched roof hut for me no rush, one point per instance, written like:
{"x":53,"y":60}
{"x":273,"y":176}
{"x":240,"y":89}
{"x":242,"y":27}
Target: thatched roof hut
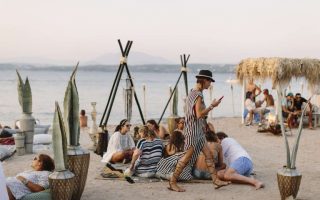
{"x":281,"y":70}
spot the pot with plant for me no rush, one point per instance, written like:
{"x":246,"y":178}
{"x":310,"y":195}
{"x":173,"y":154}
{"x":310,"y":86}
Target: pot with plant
{"x":27,"y":121}
{"x":288,"y":177}
{"x":78,"y":158}
{"x":61,"y":180}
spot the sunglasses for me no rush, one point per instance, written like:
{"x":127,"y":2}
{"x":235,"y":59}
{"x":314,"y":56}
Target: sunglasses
{"x":181,"y":122}
{"x":35,"y":158}
{"x":128,"y":125}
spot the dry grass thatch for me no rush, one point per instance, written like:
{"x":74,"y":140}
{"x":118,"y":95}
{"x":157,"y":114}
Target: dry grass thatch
{"x":280,"y":70}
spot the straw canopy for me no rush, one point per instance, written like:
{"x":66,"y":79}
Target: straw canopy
{"x":281,"y":70}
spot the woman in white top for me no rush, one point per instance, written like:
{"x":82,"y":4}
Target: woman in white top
{"x":30,"y":181}
{"x":121,"y":144}
{"x":251,"y":107}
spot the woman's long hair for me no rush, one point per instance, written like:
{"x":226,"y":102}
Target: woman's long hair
{"x":177,"y":139}
{"x":120,"y":125}
{"x":153,"y":122}
{"x":47,"y":162}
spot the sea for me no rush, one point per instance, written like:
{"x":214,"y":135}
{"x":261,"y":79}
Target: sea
{"x":94,"y":85}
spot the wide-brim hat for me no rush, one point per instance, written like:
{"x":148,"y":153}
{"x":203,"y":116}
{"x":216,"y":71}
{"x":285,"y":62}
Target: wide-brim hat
{"x":205,"y":74}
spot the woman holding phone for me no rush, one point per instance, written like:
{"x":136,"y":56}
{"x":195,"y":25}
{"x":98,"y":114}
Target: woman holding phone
{"x":194,"y":132}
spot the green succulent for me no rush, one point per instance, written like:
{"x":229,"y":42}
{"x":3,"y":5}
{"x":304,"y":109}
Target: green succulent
{"x":24,"y":94}
{"x":59,"y":140}
{"x":71,"y":111}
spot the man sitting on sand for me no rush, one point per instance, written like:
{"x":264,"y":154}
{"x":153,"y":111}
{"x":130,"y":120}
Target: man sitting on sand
{"x":238,"y":161}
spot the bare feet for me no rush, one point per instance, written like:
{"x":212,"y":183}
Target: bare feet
{"x":219,"y":183}
{"x":258,"y":185}
{"x":174,"y":187}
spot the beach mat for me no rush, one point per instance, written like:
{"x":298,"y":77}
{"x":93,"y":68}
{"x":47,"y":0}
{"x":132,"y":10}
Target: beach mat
{"x":109,"y":174}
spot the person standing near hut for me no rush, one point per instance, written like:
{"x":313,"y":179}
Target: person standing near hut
{"x":194,"y":132}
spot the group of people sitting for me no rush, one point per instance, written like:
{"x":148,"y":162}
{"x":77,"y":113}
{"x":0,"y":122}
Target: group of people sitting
{"x":154,"y":153}
{"x":292,"y":108}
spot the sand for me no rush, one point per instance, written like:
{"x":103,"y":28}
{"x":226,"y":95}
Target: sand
{"x":266,"y":150}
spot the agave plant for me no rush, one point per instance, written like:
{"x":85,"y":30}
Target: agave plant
{"x":291,"y":159}
{"x":71,"y":111}
{"x":59,"y":140}
{"x":24,"y":94}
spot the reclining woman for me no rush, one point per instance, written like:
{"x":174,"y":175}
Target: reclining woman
{"x":146,"y":157}
{"x":200,"y":170}
{"x":35,"y":180}
{"x":121,"y":144}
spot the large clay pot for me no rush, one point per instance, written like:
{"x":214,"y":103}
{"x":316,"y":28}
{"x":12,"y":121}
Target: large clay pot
{"x":27,"y":122}
{"x":61,"y":185}
{"x":19,"y":139}
{"x":288,"y":182}
{"x":78,"y":161}
{"x":171,"y":120}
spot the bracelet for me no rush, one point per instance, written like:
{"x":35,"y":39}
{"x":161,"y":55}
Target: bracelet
{"x":25,"y":181}
{"x":211,"y":107}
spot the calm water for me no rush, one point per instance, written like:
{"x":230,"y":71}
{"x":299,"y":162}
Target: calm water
{"x":94,"y":86}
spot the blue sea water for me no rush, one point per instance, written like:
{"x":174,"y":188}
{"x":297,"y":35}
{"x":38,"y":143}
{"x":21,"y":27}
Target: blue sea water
{"x":49,"y":86}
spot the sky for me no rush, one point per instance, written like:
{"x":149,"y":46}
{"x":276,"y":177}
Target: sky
{"x":211,"y":31}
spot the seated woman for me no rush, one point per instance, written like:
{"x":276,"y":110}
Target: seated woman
{"x":180,"y":124}
{"x":251,"y":107}
{"x":200,"y":170}
{"x":172,"y":150}
{"x":175,"y":144}
{"x":121,"y":144}
{"x":146,"y":157}
{"x":160,"y":131}
{"x":83,"y":119}
{"x":143,"y":134}
{"x":31,"y":181}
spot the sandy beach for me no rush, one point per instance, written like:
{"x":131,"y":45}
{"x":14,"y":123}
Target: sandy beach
{"x":266,"y":150}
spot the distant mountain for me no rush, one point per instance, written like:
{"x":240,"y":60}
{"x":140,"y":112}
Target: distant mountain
{"x":134,"y":58}
{"x":38,"y":61}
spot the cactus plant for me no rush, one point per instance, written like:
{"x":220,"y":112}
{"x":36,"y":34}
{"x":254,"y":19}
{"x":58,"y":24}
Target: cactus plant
{"x":24,"y":94}
{"x":71,"y":111}
{"x":59,"y":140}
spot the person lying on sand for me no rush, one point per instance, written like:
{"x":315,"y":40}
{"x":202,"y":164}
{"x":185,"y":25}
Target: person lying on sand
{"x":239,"y":163}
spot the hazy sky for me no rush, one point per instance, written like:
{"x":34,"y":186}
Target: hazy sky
{"x":212,"y":31}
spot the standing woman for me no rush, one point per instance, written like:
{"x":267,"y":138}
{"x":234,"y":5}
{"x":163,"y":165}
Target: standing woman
{"x":194,"y":132}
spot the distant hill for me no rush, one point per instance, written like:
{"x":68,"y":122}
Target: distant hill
{"x":134,"y":58}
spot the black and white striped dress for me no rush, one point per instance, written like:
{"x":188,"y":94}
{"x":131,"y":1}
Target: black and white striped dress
{"x":194,"y":137}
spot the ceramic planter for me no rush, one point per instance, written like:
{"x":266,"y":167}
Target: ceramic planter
{"x":61,"y":185}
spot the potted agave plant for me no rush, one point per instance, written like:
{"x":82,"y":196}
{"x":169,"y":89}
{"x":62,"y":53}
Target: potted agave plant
{"x":27,"y":121}
{"x":78,"y":158}
{"x":174,"y":112}
{"x":289,"y":177}
{"x":61,"y":180}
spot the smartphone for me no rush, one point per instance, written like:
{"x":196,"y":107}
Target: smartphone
{"x":221,"y":98}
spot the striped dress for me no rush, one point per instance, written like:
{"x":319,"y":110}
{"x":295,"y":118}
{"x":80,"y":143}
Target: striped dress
{"x":194,"y":137}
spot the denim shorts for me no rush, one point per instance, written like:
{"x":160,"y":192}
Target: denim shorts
{"x":199,"y":174}
{"x":243,"y":166}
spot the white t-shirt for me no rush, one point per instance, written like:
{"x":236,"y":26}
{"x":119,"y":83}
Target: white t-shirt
{"x":232,"y":150}
{"x":118,"y":142}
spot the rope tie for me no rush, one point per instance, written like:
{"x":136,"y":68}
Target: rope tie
{"x":123,"y":60}
{"x":184,"y":69}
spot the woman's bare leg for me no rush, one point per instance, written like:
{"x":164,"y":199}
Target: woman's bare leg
{"x":118,"y":157}
{"x":211,"y":167}
{"x":182,"y":163}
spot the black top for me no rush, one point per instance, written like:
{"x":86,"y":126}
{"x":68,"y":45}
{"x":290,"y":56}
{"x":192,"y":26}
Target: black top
{"x":298,"y":103}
